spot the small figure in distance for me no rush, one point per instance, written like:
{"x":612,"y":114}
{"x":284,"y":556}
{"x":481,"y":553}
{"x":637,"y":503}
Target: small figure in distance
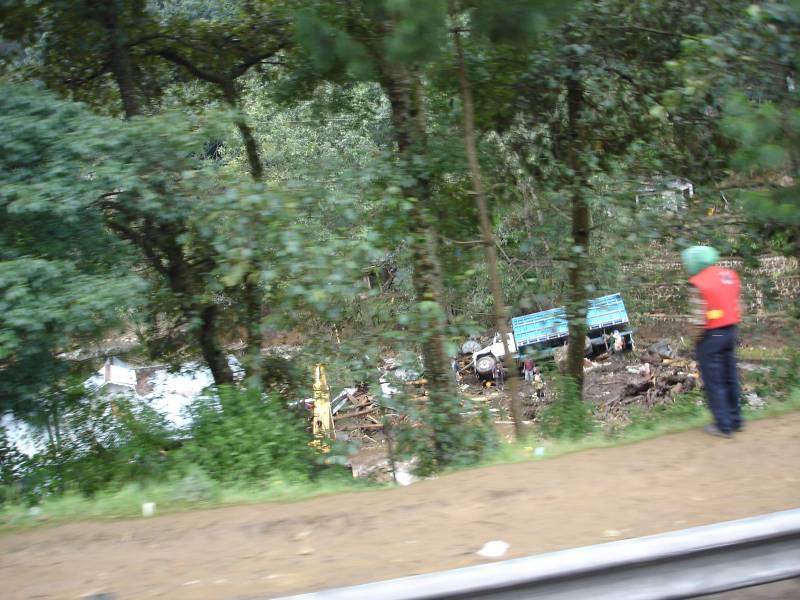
{"x":527,"y":369}
{"x":619,"y":341}
{"x":499,"y":375}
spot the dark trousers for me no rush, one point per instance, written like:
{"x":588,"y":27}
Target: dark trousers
{"x":499,"y":379}
{"x":716,"y":355}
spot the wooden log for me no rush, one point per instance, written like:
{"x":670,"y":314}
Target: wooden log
{"x":365,"y":426}
{"x":673,"y":378}
{"x":636,"y":387}
{"x":358,"y":413}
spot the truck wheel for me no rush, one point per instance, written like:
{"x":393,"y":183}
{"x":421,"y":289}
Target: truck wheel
{"x":484,"y":365}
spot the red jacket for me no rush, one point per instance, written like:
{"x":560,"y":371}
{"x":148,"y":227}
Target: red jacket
{"x":720,"y":290}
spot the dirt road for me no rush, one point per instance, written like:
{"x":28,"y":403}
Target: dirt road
{"x":672,"y":482}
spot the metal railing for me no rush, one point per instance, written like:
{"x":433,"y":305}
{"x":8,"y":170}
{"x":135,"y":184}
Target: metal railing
{"x":680,"y":564}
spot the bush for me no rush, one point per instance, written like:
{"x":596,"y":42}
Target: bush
{"x":568,"y":416}
{"x":445,"y":437}
{"x":781,"y":380}
{"x":244,"y":435}
{"x":785,"y":376}
{"x":11,"y":465}
{"x":194,"y":487}
{"x":103,"y":443}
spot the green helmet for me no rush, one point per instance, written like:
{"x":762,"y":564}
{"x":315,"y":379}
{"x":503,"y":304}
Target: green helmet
{"x":697,"y":258}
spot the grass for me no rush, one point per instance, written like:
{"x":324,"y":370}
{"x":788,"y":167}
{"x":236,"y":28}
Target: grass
{"x":190,"y":493}
{"x":667,"y":422}
{"x":197,"y":491}
{"x":761,"y":353}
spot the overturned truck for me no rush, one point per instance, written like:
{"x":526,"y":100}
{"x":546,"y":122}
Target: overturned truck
{"x":539,"y":334}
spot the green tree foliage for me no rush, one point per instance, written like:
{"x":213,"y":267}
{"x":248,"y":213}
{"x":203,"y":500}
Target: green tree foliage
{"x":198,"y":236}
{"x":397,"y":45}
{"x":89,"y":200}
{"x":98,"y":442}
{"x":770,"y":140}
{"x":11,"y":467}
{"x":93,"y":51}
{"x":766,"y":126}
{"x":391,"y":43}
{"x":220,"y":52}
{"x":584,"y":113}
{"x":64,"y":279}
{"x":734,"y":87}
{"x":275,"y":156}
{"x":49,"y":306}
{"x":485,"y":16}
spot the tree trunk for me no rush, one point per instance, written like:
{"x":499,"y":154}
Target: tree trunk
{"x":250,"y":145}
{"x":255,"y":337}
{"x":182,"y":280}
{"x":428,"y":288}
{"x":210,"y":347}
{"x":58,"y":448}
{"x":409,"y":134}
{"x":120,"y":60}
{"x":578,"y":299}
{"x":487,"y":235}
{"x":252,"y":295}
{"x":251,"y":149}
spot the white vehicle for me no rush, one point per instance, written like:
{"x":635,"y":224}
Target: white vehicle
{"x":485,"y":358}
{"x":545,"y":330}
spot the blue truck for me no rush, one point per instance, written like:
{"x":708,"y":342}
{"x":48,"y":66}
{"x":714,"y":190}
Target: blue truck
{"x":541,"y":333}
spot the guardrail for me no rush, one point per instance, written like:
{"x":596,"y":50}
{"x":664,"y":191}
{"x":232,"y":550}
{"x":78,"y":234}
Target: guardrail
{"x":680,"y":564}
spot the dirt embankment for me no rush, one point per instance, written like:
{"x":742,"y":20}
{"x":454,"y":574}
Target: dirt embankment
{"x":668,"y":483}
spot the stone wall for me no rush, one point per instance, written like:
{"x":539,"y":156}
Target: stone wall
{"x":658,"y":286}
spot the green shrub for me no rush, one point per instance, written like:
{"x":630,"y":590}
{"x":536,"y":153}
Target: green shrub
{"x":785,"y":376}
{"x":445,"y":438}
{"x":782,"y":378}
{"x":11,"y":468}
{"x":194,"y":486}
{"x":103,"y":444}
{"x":568,"y":416}
{"x":244,"y":435}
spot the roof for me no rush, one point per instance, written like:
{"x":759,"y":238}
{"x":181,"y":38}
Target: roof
{"x":113,"y":372}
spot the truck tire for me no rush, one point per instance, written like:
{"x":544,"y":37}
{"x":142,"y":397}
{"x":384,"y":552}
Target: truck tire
{"x":484,"y":366}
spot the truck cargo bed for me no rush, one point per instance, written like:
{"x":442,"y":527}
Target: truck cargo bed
{"x":604,"y":314}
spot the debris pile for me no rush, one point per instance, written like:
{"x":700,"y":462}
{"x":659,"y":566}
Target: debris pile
{"x":382,"y":469}
{"x":357,"y":413}
{"x":660,"y":381}
{"x":615,"y":382}
{"x":654,"y":379}
{"x":560,"y":356}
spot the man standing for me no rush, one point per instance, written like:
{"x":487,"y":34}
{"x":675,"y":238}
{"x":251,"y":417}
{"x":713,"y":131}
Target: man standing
{"x":499,"y":375}
{"x":715,"y":308}
{"x":527,"y":369}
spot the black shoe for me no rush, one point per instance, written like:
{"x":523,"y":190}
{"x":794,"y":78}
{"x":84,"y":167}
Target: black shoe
{"x":739,"y":429}
{"x":714,"y":430}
